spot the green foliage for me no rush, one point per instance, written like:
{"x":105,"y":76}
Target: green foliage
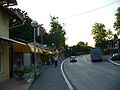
{"x":46,"y":39}
{"x":57,"y":32}
{"x":80,"y":48}
{"x":21,"y":30}
{"x":27,"y":69}
{"x":82,"y":44}
{"x":24,"y":30}
{"x":99,"y":35}
{"x":21,"y":71}
{"x":109,"y":35}
{"x":117,"y":22}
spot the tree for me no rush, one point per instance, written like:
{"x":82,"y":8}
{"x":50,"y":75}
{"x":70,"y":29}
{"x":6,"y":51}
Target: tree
{"x":46,"y":39}
{"x":99,"y":35}
{"x":117,"y":22}
{"x":109,"y":35}
{"x":82,"y":44}
{"x":82,"y":47}
{"x":57,"y":32}
{"x":21,"y":30}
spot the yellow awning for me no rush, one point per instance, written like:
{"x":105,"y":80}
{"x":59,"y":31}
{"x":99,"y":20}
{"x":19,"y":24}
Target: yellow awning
{"x":47,"y":52}
{"x":28,"y":48}
{"x":40,"y":50}
{"x":20,"y":47}
{"x":31,"y":47}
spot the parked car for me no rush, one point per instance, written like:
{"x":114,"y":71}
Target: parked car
{"x":73,"y":59}
{"x":116,"y":56}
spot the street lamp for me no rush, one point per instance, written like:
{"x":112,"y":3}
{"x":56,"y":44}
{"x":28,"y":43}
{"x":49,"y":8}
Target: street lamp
{"x":35,"y":25}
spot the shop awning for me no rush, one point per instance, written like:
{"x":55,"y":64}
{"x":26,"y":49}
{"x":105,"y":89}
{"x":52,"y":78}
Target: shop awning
{"x":16,"y":45}
{"x":31,"y":47}
{"x":47,"y":52}
{"x":21,"y":48}
{"x":25,"y":48}
{"x":40,"y":50}
{"x":4,"y":39}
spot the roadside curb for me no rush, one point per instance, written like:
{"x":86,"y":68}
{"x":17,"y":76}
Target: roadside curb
{"x":114,"y":62}
{"x":66,"y":80}
{"x":32,"y":80}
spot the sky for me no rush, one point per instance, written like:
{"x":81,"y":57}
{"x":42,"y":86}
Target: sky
{"x":78,"y":23}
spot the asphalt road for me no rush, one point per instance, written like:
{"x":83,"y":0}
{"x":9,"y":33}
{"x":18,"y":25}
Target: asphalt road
{"x":85,"y":75}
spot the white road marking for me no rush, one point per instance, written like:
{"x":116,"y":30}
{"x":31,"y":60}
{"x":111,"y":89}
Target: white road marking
{"x":67,"y":81}
{"x":114,"y":62}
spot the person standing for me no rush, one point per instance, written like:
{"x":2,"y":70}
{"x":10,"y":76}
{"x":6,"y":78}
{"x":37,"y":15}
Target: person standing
{"x":52,"y":60}
{"x":55,"y":61}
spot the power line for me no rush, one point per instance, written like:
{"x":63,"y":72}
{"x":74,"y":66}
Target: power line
{"x":92,"y":10}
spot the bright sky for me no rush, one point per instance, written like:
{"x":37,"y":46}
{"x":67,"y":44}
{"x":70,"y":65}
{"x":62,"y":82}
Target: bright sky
{"x":77,"y":26}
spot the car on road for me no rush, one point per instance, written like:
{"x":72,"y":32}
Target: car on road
{"x":73,"y":59}
{"x":116,"y":56}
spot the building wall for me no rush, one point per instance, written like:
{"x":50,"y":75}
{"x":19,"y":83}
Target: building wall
{"x":4,"y":32}
{"x":4,"y":24}
{"x":4,"y":75}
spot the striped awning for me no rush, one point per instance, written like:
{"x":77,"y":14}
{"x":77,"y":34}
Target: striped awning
{"x":48,"y":52}
{"x":40,"y":50}
{"x":21,"y":48}
{"x":28,"y":48}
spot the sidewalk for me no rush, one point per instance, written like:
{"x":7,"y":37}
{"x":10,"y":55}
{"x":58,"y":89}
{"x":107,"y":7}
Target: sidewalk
{"x":50,"y":79}
{"x":14,"y":84}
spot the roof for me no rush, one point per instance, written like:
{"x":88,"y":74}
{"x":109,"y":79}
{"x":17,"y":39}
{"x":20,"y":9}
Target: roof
{"x":10,"y":13}
{"x":10,"y":40}
{"x":8,"y":2}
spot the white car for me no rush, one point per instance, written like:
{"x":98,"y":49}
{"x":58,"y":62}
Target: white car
{"x":73,"y":59}
{"x":116,"y":56}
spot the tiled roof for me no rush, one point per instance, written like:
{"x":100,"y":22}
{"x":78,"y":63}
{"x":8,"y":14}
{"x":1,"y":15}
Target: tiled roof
{"x":8,"y":2}
{"x":10,"y":13}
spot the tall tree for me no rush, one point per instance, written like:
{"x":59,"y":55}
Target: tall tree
{"x":21,"y":30}
{"x":46,"y":39}
{"x":117,"y":22}
{"x":82,"y":47}
{"x":82,"y":44}
{"x":57,"y":32}
{"x":99,"y":35}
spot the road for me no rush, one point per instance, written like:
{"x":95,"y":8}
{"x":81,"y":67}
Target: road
{"x":85,"y":75}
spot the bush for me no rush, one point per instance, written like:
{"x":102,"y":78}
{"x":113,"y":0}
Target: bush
{"x":21,"y":71}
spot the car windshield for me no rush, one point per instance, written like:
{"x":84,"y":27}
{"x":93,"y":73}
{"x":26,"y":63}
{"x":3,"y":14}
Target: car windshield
{"x":73,"y":57}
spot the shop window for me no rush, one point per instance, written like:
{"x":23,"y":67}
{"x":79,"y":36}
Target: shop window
{"x":17,"y":59}
{"x":1,"y":68}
